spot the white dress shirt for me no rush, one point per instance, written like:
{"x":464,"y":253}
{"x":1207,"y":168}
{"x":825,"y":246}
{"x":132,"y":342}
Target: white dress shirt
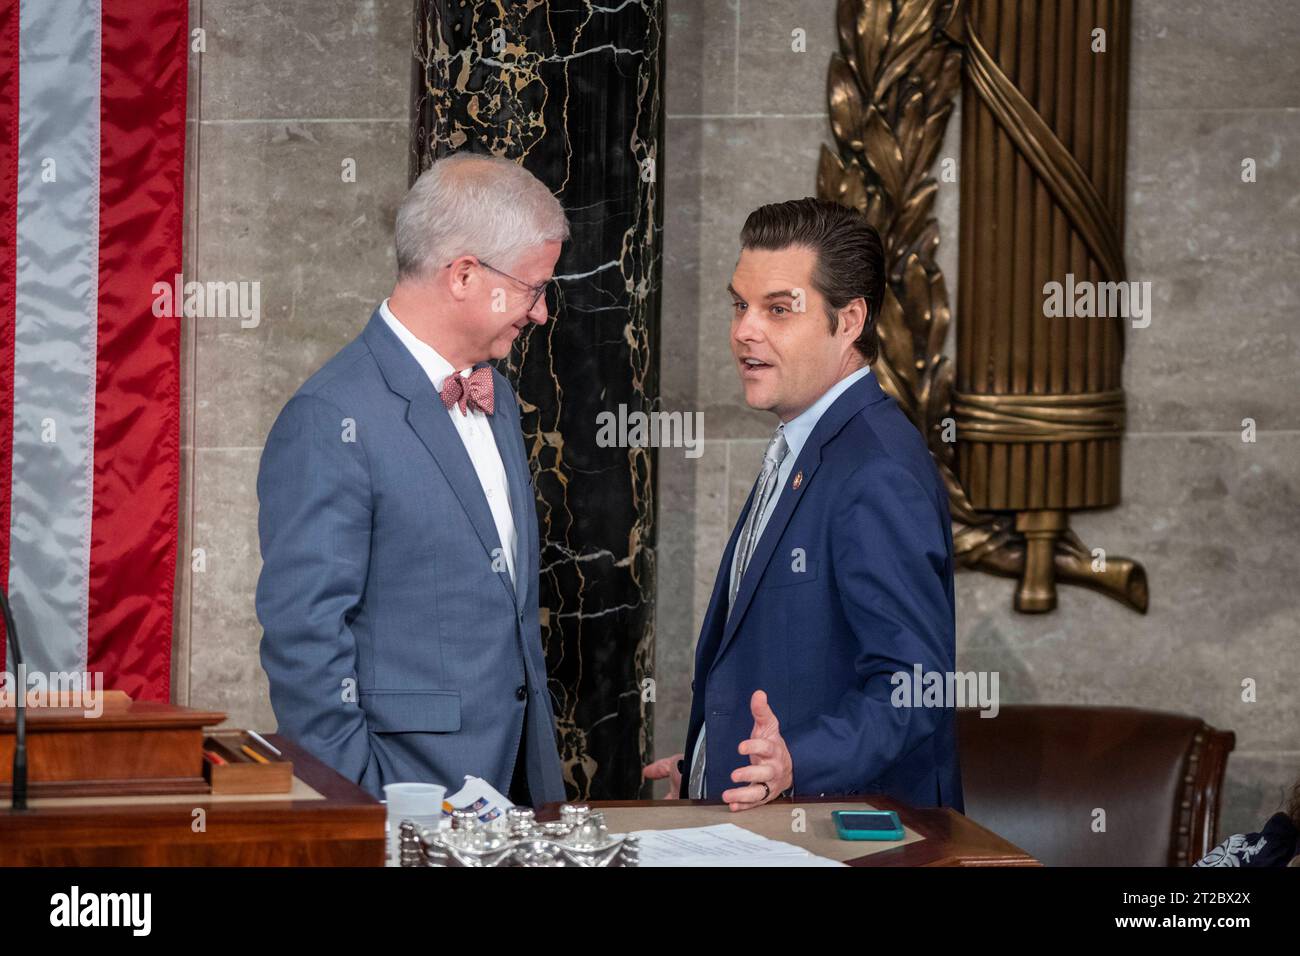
{"x":475,"y":431}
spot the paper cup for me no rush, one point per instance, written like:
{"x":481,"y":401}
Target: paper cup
{"x":418,"y":802}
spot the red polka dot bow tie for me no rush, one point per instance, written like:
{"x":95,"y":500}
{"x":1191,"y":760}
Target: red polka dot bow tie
{"x":473,"y":390}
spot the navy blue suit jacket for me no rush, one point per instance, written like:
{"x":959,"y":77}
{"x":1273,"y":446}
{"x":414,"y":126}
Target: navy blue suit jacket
{"x":850,"y":583}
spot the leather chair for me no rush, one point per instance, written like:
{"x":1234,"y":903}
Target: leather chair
{"x":1035,"y":774}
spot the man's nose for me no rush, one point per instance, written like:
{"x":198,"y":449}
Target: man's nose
{"x":746,"y":329}
{"x":539,"y":312}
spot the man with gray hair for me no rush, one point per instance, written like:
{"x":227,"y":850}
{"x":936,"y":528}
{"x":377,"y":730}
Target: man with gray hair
{"x":399,"y":538}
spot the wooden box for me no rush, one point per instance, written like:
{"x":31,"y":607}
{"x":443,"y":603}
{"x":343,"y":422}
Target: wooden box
{"x":242,"y":772}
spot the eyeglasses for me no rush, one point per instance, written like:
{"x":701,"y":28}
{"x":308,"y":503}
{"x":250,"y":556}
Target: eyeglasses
{"x":549,"y":286}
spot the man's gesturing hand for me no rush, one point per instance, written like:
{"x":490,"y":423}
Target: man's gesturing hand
{"x":665,"y":767}
{"x":769,"y":760}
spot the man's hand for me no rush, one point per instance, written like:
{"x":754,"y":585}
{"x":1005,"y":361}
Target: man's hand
{"x":666,"y":767}
{"x":769,"y":760}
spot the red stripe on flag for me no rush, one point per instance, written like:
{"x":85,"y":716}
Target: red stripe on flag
{"x":137,"y":400}
{"x":8,"y":269}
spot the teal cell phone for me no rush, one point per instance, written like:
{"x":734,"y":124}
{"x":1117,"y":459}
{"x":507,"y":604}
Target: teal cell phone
{"x":867,"y":824}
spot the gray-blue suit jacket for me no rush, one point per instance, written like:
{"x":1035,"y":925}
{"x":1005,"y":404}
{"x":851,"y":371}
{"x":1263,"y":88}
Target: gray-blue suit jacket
{"x":396,"y":646}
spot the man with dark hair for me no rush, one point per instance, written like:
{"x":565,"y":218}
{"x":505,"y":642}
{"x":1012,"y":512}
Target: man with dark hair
{"x":837,"y":583}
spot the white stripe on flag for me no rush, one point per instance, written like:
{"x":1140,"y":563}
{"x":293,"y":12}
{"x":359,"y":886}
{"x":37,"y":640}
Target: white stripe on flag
{"x":56,"y":307}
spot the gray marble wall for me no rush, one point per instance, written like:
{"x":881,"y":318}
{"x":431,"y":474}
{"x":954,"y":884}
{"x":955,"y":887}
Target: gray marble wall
{"x":287,"y":91}
{"x":1215,"y":520}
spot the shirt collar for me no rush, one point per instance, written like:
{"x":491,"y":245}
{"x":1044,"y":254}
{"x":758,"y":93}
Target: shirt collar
{"x":801,"y":426}
{"x":434,"y":365}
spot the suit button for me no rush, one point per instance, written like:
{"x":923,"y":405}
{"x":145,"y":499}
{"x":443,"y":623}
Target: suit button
{"x":521,"y":692}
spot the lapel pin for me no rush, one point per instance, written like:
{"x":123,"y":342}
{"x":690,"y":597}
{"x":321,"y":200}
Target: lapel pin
{"x":798,"y":480}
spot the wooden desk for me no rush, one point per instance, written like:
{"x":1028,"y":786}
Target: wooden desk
{"x":950,"y":839}
{"x":338,"y":825}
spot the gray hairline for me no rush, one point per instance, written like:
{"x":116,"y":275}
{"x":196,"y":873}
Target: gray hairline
{"x":496,"y":218}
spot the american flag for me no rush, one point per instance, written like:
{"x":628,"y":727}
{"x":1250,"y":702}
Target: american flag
{"x":92,"y":109}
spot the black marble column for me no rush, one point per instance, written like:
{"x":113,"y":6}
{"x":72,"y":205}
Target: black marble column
{"x":572,"y":90}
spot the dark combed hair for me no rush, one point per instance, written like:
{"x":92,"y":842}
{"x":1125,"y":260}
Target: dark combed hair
{"x":850,"y":257}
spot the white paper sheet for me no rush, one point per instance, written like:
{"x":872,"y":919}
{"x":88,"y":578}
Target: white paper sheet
{"x":723,"y":844}
{"x":478,"y":795}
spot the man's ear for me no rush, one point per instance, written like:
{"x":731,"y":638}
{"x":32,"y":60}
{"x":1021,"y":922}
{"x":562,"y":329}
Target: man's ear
{"x":853,"y":318}
{"x":459,"y":277}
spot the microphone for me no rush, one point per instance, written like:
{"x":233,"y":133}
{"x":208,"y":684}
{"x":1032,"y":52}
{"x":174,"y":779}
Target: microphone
{"x":20,"y":713}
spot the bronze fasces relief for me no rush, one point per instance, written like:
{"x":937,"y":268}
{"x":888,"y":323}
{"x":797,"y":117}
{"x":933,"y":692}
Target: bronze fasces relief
{"x":1026,"y":423}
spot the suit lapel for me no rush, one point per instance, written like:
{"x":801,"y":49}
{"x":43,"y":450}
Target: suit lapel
{"x":806,"y":464}
{"x":520,"y":489}
{"x":858,"y":396}
{"x":428,"y":418}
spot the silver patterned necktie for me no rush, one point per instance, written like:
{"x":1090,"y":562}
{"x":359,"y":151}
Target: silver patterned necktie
{"x":772,"y":458}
